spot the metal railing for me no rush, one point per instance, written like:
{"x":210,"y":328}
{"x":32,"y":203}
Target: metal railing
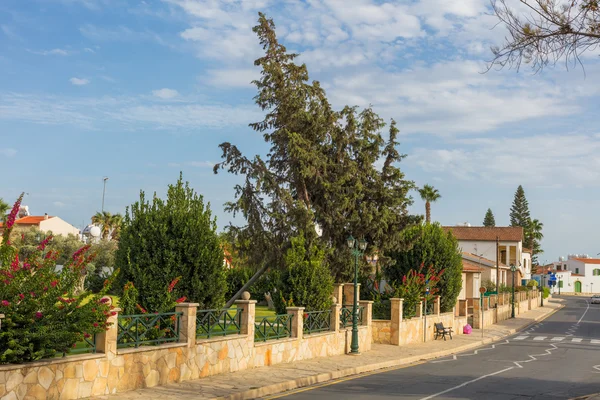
{"x":86,"y":346}
{"x":273,"y":327}
{"x":346,"y":316}
{"x":215,"y":323}
{"x":317,"y":321}
{"x":148,"y":329}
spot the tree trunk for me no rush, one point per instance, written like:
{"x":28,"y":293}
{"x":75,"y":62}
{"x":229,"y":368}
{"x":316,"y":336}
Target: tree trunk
{"x":257,"y":275}
{"x":427,"y":212}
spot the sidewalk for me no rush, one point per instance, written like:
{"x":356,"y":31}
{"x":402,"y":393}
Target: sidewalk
{"x":259,"y":382}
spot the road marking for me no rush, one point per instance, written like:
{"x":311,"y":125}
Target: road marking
{"x":558,"y":338}
{"x":595,"y":341}
{"x":597,"y":368}
{"x":521,"y":338}
{"x":540,"y":338}
{"x":586,"y":310}
{"x":466,"y":383}
{"x":576,"y":340}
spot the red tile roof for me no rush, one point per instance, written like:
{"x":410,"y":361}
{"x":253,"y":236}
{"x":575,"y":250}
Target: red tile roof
{"x":588,"y":260}
{"x":469,"y":266}
{"x":505,"y":234}
{"x":480,"y":261}
{"x":29,"y":220}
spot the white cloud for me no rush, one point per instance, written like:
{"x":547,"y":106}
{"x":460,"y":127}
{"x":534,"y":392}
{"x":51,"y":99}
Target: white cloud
{"x":53,"y":52}
{"x":88,"y":50}
{"x":132,"y":113}
{"x":7,"y":152}
{"x":165,"y":93}
{"x":59,"y":204}
{"x":236,"y":78}
{"x":79,"y":81}
{"x":567,"y":159}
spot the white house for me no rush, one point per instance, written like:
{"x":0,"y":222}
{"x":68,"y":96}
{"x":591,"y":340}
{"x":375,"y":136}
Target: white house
{"x":578,"y":274}
{"x":480,"y":241}
{"x":46,"y":223}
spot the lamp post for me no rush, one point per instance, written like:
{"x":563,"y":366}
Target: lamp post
{"x":358,"y":247}
{"x":543,"y":279}
{"x":513,"y":269}
{"x":104,"y":191}
{"x":559,"y":281}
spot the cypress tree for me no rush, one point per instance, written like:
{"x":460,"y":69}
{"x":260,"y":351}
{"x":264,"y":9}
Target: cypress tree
{"x":489,"y":220}
{"x":519,"y":212}
{"x":321,"y":168}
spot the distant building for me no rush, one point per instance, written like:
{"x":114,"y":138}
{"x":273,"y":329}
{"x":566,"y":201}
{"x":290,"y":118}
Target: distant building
{"x":480,"y":242}
{"x":579,"y":273}
{"x":45,"y":223}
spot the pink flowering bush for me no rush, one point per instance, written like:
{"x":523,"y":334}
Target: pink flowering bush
{"x":414,"y":285}
{"x":43,"y":316}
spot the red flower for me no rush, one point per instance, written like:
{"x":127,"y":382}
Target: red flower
{"x":87,"y":335}
{"x":5,"y":303}
{"x":38,"y":315}
{"x":95,"y":324}
{"x":15,"y":264}
{"x":142,"y":310}
{"x":113,"y":313}
{"x":21,"y":296}
{"x":53,"y":283}
{"x":180,"y":300}
{"x":10,"y":221}
{"x":104,"y":300}
{"x":44,"y":243}
{"x":173,"y":283}
{"x":32,"y":294}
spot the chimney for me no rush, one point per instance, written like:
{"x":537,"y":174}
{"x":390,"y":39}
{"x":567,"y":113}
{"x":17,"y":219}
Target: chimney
{"x":45,"y":216}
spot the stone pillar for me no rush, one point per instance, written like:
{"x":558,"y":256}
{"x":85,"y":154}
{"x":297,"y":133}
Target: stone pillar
{"x":436,"y":305}
{"x":477,"y":315}
{"x":462,"y":308}
{"x":367,"y":312}
{"x":419,"y":309}
{"x":297,"y":314}
{"x":396,"y":323}
{"x":338,"y":292}
{"x":106,"y":342}
{"x":335,"y":317}
{"x":248,"y":315}
{"x":187,"y":323}
{"x":349,"y":294}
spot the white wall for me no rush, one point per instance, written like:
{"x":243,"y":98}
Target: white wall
{"x":58,"y":227}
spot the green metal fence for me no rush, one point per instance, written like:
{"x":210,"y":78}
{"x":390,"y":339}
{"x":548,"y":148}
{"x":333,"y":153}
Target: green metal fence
{"x":86,"y":346}
{"x":273,"y":327}
{"x":346,"y":316}
{"x":317,"y":321}
{"x":216,"y":323}
{"x":148,"y":329}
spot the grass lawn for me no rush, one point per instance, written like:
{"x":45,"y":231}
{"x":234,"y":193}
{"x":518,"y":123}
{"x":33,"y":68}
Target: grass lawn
{"x":261,"y":312}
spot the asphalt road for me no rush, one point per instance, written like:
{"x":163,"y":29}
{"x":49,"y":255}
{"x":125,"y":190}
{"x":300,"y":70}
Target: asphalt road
{"x":558,"y":358}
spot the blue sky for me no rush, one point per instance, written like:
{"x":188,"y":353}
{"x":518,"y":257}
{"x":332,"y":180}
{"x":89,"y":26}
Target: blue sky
{"x":139,"y":90}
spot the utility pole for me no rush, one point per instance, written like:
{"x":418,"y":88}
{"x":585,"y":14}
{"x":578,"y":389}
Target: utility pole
{"x":104,"y":191}
{"x":497,"y":269}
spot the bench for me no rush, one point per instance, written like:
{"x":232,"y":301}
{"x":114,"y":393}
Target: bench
{"x":442,"y":331}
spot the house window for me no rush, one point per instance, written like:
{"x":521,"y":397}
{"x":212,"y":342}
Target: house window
{"x":576,"y":270}
{"x":558,"y":268}
{"x":596,"y":272}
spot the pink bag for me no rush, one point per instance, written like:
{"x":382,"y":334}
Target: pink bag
{"x":467,"y":329}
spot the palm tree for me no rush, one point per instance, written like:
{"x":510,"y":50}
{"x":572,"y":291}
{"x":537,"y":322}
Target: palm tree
{"x":110,"y":224}
{"x":429,"y":194}
{"x":535,"y":235}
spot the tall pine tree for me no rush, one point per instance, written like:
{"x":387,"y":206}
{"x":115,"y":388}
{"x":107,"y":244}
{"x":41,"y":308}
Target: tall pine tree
{"x":321,"y":168}
{"x":489,"y":220}
{"x":519,"y":212}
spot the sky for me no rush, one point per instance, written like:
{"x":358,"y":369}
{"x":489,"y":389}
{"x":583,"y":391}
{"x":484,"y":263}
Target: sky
{"x":139,"y":90}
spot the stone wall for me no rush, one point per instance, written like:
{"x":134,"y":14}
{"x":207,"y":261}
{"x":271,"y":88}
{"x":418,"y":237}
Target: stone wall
{"x":524,"y":301}
{"x":115,"y":370}
{"x":400,"y":331}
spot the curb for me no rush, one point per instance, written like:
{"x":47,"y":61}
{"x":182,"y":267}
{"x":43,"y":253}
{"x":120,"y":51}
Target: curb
{"x":329,"y":376}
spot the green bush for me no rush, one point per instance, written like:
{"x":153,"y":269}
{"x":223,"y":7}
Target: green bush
{"x":532,"y":283}
{"x":432,"y":246}
{"x":546,"y":292}
{"x":44,"y":313}
{"x":306,"y":280}
{"x":163,"y":239}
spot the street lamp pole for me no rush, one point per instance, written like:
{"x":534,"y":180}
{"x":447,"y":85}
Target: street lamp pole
{"x":513,"y":268}
{"x":543,"y":279}
{"x":559,"y":280}
{"x":104,"y":191}
{"x":358,"y":247}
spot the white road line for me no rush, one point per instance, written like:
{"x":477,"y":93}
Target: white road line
{"x":595,"y":341}
{"x":576,"y":340}
{"x":521,"y":338}
{"x":540,"y":338}
{"x":466,"y":383}
{"x":585,"y":312}
{"x":558,"y":338}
